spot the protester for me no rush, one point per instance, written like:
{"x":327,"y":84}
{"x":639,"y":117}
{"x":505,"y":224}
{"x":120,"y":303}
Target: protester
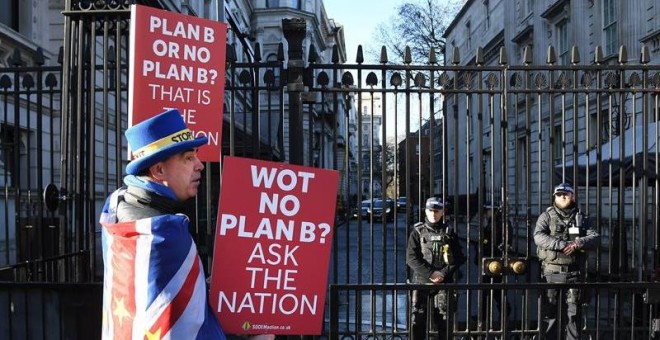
{"x":561,"y":235}
{"x":154,"y":283}
{"x":434,"y":254}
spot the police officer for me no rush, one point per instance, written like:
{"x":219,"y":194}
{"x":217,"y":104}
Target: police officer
{"x":561,"y":235}
{"x":433,"y":254}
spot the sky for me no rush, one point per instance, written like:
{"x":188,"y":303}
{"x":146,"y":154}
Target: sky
{"x":360,"y":18}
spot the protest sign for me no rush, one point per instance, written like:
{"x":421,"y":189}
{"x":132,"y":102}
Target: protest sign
{"x":272,"y":247}
{"x":178,"y":61}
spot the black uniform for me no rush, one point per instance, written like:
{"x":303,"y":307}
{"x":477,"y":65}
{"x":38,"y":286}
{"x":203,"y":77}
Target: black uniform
{"x":431,"y":247}
{"x":555,"y":228}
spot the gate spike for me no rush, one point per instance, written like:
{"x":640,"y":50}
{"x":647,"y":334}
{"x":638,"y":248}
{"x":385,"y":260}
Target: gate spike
{"x":598,"y":55}
{"x":231,"y":53}
{"x":16,"y":58}
{"x":360,"y":57}
{"x":644,"y":57}
{"x":623,"y":54}
{"x":257,"y":52}
{"x":575,"y":55}
{"x":60,"y":55}
{"x":455,"y":56}
{"x":407,"y":56}
{"x":527,"y":55}
{"x":503,"y":58}
{"x":383,"y":55}
{"x":280,"y":52}
{"x":311,"y":57}
{"x":552,"y":56}
{"x":479,"y":58}
{"x":432,"y":59}
{"x":40,"y":60}
{"x":335,"y":54}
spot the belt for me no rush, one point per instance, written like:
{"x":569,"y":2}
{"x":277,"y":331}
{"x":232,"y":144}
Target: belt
{"x":561,"y":268}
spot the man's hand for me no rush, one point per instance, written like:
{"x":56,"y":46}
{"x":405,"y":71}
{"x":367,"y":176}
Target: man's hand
{"x":571,"y":248}
{"x":437,"y":277}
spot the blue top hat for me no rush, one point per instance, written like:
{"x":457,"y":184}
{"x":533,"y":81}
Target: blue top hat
{"x":158,"y":138}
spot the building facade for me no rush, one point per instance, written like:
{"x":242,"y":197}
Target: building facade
{"x":371,"y":145}
{"x":559,"y":33}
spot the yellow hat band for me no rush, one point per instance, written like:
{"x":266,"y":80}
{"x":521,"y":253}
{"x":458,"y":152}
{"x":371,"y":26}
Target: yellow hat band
{"x":177,"y":137}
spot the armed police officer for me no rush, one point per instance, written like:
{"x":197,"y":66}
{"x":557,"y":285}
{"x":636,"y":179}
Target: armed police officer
{"x":561,"y":235}
{"x":433,"y":254}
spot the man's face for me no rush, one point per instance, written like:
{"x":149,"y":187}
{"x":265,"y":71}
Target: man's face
{"x":181,"y":173}
{"x":434,"y":215}
{"x":563,"y":199}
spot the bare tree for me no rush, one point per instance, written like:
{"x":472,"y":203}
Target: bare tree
{"x":391,"y":150}
{"x":420,"y":25}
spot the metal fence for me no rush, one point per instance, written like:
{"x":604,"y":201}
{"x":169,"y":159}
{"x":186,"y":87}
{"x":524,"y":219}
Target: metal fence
{"x":470,"y":133}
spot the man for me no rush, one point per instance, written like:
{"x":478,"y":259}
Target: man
{"x":154,"y":282}
{"x":492,"y":245}
{"x":561,"y":235}
{"x":434,"y":254}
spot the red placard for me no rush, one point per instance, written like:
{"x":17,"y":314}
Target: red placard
{"x":178,"y":61}
{"x":272,"y":247}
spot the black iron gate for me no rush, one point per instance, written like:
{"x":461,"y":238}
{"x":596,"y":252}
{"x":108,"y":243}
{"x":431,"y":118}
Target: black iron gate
{"x":470,"y":134}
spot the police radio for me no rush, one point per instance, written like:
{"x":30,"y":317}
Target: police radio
{"x":575,"y":230}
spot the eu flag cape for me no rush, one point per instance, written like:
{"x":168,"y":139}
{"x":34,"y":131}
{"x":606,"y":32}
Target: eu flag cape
{"x":153,"y":286}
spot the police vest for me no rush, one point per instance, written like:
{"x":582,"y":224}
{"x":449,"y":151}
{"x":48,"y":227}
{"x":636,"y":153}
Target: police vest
{"x":558,"y":228}
{"x":435,"y":243}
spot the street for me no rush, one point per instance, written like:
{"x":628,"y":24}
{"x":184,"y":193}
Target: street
{"x":369,"y":253}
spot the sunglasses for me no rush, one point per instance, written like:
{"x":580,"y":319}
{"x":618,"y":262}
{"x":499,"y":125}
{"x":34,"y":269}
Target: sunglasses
{"x":562,"y":194}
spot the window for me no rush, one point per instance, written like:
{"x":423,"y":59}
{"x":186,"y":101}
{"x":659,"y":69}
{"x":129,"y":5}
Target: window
{"x":468,"y":34}
{"x":525,"y":9}
{"x":557,"y":139}
{"x":562,"y":42}
{"x":487,"y":13}
{"x":610,"y":27}
{"x":297,"y":4}
{"x":521,"y":166}
{"x":9,"y":13}
{"x":272,"y":3}
{"x":14,"y":140}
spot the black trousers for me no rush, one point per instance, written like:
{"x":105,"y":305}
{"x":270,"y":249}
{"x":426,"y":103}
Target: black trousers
{"x":569,"y":315}
{"x":429,"y":304}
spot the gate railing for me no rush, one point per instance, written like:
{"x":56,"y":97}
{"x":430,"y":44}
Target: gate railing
{"x":469,"y":133}
{"x":608,"y":311}
{"x":50,"y":310}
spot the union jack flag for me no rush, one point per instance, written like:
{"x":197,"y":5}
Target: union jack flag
{"x":153,"y":286}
